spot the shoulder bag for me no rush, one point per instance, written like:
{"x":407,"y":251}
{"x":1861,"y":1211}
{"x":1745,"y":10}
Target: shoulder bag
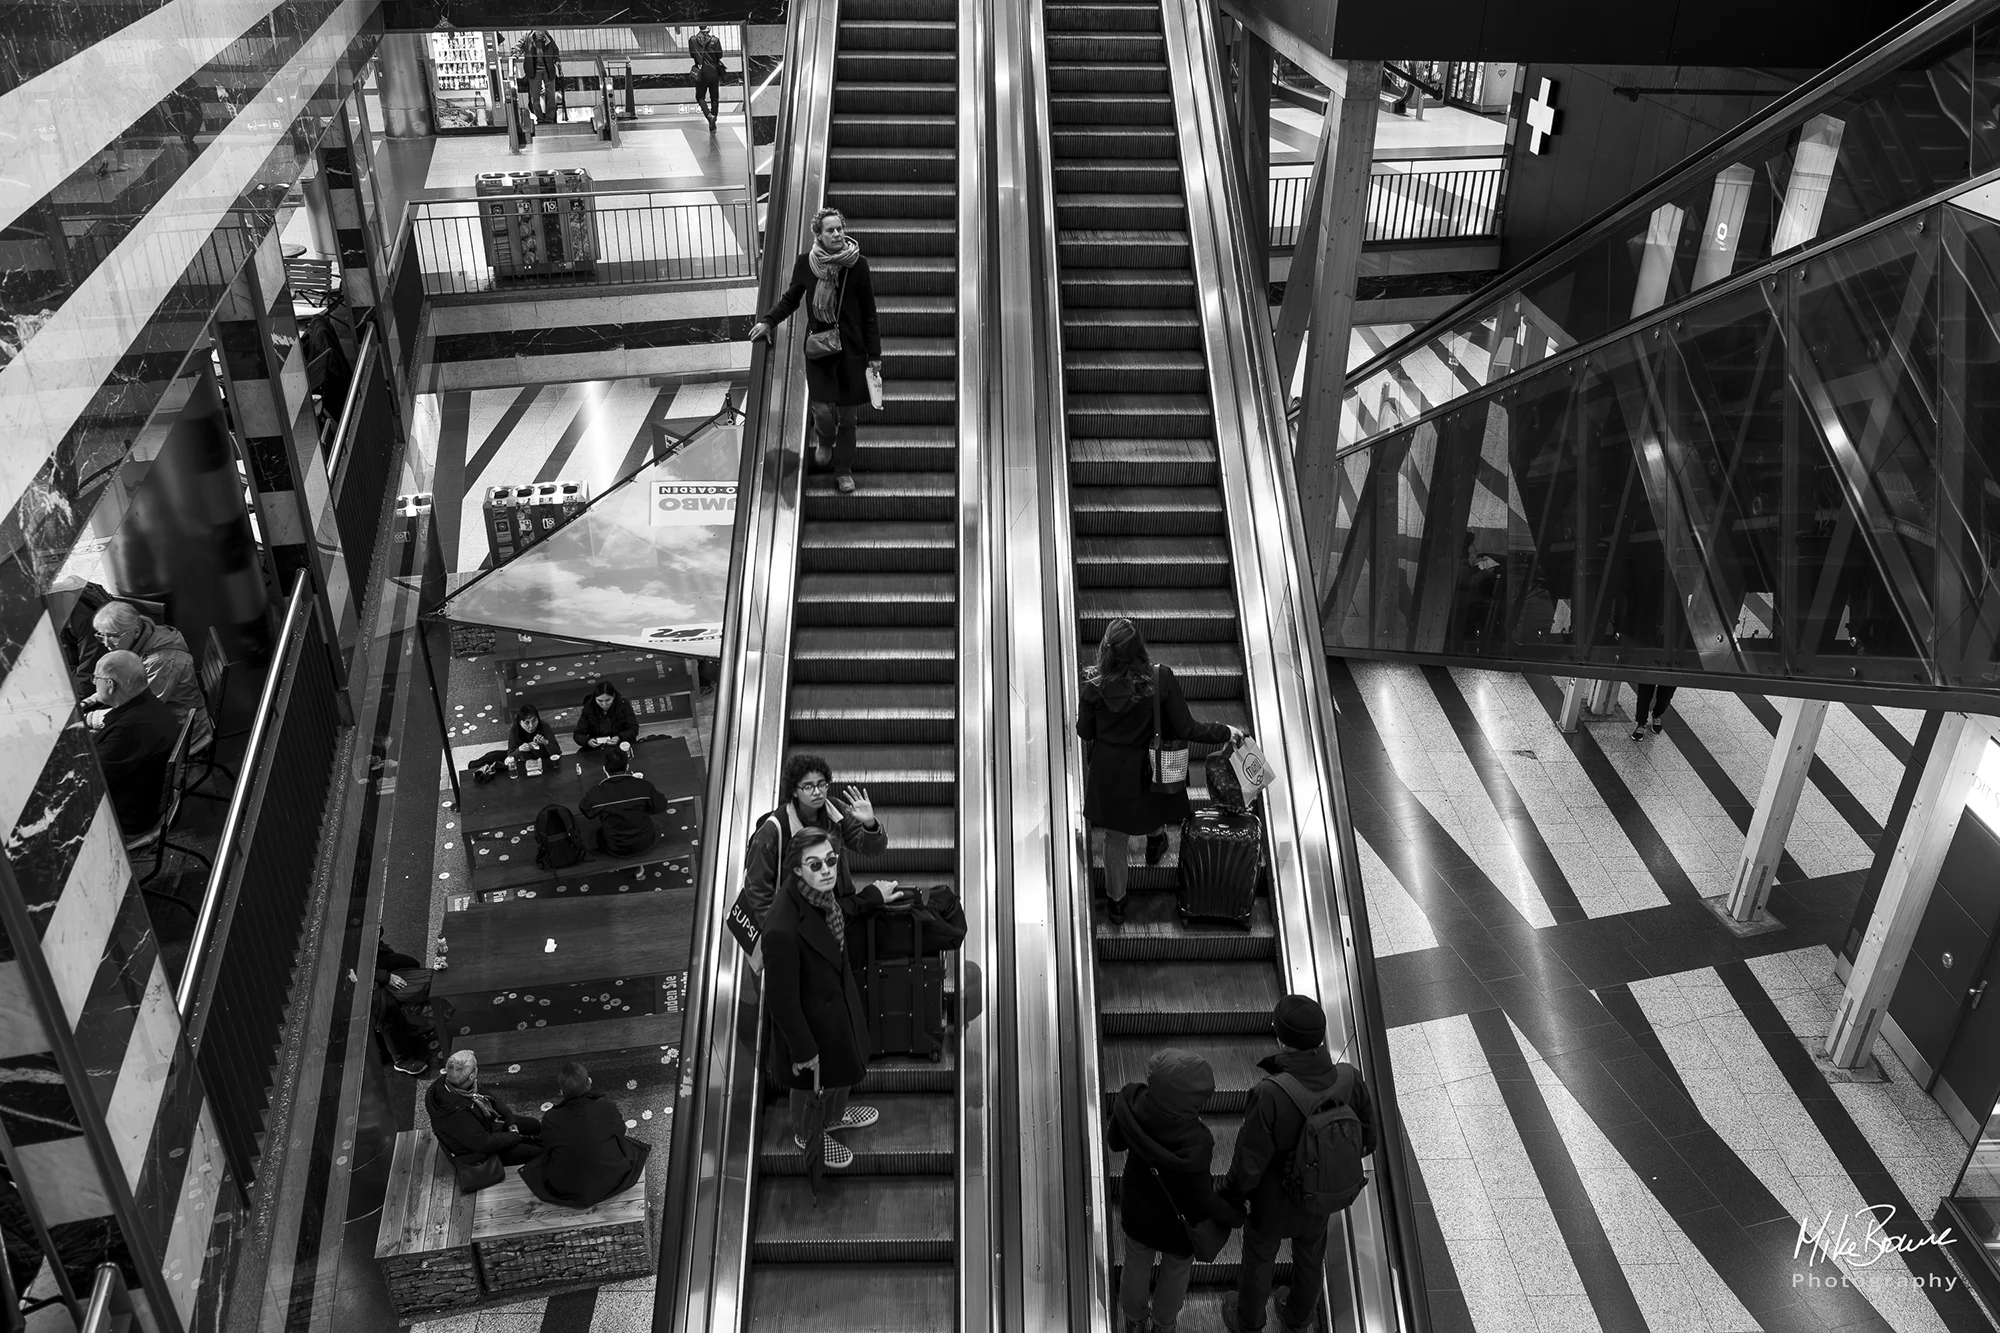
{"x":1168,"y":764}
{"x":478,"y":1171}
{"x":1207,"y":1237}
{"x":826,"y":342}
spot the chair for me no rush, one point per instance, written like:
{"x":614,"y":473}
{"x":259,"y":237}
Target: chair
{"x":157,"y":841}
{"x":311,"y":279}
{"x":214,"y":674}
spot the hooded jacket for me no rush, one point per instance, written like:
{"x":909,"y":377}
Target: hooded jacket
{"x":171,"y":674}
{"x":1169,"y":1153}
{"x":1271,"y":1126}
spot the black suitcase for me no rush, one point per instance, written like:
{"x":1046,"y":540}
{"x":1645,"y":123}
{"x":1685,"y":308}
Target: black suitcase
{"x":904,"y":998}
{"x":1221,"y":854}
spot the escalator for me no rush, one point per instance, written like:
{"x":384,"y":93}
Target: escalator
{"x":1151,"y":540}
{"x":840,"y":641}
{"x":1710,"y":437}
{"x":873,"y":666}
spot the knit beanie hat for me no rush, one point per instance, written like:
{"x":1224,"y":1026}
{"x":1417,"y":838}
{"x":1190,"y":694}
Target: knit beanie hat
{"x":1179,"y":1082}
{"x":1299,"y":1022}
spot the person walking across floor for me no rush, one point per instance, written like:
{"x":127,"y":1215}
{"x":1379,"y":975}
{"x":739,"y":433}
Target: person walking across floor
{"x":606,"y":719}
{"x":1649,"y":707}
{"x":1297,"y":1162}
{"x":587,"y":1157}
{"x":820,"y":1026}
{"x":809,"y":803}
{"x":1167,"y":1189}
{"x":843,"y":338}
{"x":705,"y":49}
{"x":1117,"y":719}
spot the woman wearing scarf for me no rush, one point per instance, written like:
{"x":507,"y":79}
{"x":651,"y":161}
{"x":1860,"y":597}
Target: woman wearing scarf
{"x":843,"y":298}
{"x":1167,"y":1186}
{"x":809,"y":985}
{"x":1117,"y":719}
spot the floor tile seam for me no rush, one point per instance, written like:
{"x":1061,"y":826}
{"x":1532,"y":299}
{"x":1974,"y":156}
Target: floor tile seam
{"x":1607,"y":1286}
{"x":1856,"y":1156}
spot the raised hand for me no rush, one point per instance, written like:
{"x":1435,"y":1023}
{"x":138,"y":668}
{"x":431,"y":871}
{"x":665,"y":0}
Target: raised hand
{"x":859,"y":805}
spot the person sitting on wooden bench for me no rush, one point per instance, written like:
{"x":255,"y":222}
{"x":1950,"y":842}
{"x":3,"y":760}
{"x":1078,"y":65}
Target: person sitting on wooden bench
{"x":587,"y":1156}
{"x":469,"y":1123}
{"x":623,"y":806}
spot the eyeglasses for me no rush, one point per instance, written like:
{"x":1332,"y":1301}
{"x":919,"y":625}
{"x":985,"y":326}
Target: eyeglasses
{"x":816,"y":864}
{"x":814,"y":788}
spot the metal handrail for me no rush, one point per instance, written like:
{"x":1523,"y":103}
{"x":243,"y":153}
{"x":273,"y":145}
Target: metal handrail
{"x":1907,"y":38}
{"x":355,"y":383}
{"x":1316,"y":892}
{"x":228,"y":848}
{"x":110,"y":1308}
{"x":652,"y":237}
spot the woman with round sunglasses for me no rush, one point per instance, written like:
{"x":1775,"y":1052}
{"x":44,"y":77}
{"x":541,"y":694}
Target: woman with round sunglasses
{"x":810,"y":988}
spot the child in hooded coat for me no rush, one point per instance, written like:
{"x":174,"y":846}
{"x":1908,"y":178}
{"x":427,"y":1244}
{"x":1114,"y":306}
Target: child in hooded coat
{"x":1167,"y":1178}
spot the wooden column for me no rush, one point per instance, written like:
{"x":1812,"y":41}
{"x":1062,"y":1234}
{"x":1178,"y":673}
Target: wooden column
{"x":1771,"y":823}
{"x":1335,"y":259}
{"x":1906,"y":888}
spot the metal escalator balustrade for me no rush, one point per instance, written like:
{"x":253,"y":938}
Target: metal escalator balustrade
{"x":1791,"y":482}
{"x":1905,"y":118}
{"x":1180,"y":518}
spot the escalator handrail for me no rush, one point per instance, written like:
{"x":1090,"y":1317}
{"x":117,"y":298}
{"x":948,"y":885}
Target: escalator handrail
{"x":705,"y":1227}
{"x":1907,"y":38}
{"x":982,"y":1074}
{"x":1316,"y":890}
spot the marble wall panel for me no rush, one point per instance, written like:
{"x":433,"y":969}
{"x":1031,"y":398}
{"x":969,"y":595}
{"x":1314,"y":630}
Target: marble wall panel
{"x":36,"y":702}
{"x":111,"y":1010}
{"x":83,"y":906}
{"x":202,"y":1195}
{"x":142,"y":1080}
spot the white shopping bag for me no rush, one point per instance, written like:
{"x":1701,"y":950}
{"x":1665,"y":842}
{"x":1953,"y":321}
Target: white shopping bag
{"x":1251,"y":768}
{"x":875,"y":388}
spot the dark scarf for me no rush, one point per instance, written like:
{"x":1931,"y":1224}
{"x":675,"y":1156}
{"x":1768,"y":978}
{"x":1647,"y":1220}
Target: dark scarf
{"x":829,"y":268}
{"x":825,"y":901}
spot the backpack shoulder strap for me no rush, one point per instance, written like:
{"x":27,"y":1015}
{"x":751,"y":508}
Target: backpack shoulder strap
{"x":1301,"y":1097}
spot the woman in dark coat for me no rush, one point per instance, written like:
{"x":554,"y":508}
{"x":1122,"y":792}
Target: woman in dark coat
{"x":1167,"y":1179}
{"x":606,"y":718}
{"x":817,"y":1017}
{"x":1117,"y":720}
{"x":469,"y":1123}
{"x":586,"y":1156}
{"x":843,"y":295}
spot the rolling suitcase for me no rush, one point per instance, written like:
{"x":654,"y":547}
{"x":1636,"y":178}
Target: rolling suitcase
{"x":904,"y":997}
{"x":1222,"y":852}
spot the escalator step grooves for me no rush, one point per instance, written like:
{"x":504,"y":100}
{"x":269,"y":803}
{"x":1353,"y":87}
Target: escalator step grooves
{"x":1223,"y":1101}
{"x":1209,"y":1022}
{"x":857,"y":1250}
{"x":1116,"y":947}
{"x":865,"y":1163}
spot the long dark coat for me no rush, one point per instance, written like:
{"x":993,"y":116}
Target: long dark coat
{"x":843,"y":379}
{"x":586,"y":1155}
{"x":1166,"y":1173}
{"x":1118,"y":722}
{"x":810,"y":988}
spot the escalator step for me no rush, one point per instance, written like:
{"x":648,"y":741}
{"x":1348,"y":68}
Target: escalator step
{"x":1163,"y":510}
{"x":1190,"y":995}
{"x":916,"y":314}
{"x":901,"y":163}
{"x":1129,"y":330}
{"x":915,"y":1076}
{"x":905,"y":448}
{"x":1205,"y":671}
{"x":926,"y":237}
{"x":913,"y":496}
{"x":884,"y":11}
{"x":897,"y":35}
{"x":829,"y":548}
{"x":839,"y":1298}
{"x":1083,"y":177}
{"x":879,"y":66}
{"x":879,"y":712}
{"x":876,"y":599}
{"x":1109,"y":109}
{"x":867,"y":1162}
{"x":868,"y":1219}
{"x":862,"y":1247}
{"x":1109,"y":76}
{"x":859,"y":655}
{"x":896,"y":275}
{"x":1152,"y":562}
{"x":1088,"y":248}
{"x":1122,"y":1060}
{"x":1125,"y":142}
{"x":1100,"y":17}
{"x":1151,"y":461}
{"x":894,"y":98}
{"x":917,"y":1135}
{"x":1185,"y":415}
{"x":923,"y":840}
{"x":1103,"y":371}
{"x":894,"y":775}
{"x":1119,"y":46}
{"x":918,"y":358}
{"x":1129,"y":289}
{"x":1131,"y":210}
{"x":892,"y":199}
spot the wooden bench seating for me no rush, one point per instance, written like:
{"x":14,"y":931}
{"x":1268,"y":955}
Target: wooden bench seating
{"x":441,"y":1250}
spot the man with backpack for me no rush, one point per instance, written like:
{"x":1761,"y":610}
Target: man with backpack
{"x":623,"y":806}
{"x":1297,"y":1163}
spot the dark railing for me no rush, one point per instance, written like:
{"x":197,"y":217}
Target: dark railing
{"x":630,"y":242}
{"x":237,"y":982}
{"x":1411,"y":201}
{"x":364,"y":460}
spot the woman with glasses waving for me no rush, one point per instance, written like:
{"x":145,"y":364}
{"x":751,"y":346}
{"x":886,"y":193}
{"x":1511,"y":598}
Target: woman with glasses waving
{"x":809,"y":803}
{"x":810,"y":988}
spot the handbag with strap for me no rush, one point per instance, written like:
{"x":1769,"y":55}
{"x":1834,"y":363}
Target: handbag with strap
{"x":1167,"y":765}
{"x":1207,"y":1236}
{"x":478,"y":1171}
{"x":826,"y":342}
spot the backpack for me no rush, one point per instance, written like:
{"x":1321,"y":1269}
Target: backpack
{"x":1324,"y":1172}
{"x":558,"y":840}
